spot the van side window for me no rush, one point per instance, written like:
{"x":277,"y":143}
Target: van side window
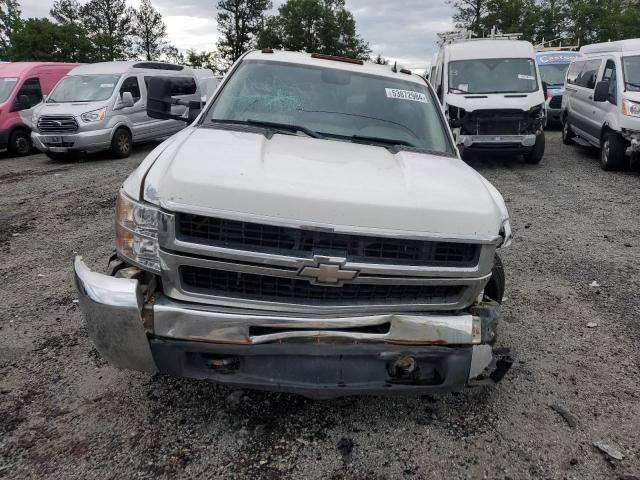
{"x":181,"y":85}
{"x":587,"y":78}
{"x":132,"y":86}
{"x":609,"y":75}
{"x":31,"y":89}
{"x":574,"y":71}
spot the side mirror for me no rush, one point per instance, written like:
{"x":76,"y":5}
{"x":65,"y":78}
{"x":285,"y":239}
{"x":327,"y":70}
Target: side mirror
{"x":159,"y":101}
{"x":601,"y":93}
{"x":127,"y":100}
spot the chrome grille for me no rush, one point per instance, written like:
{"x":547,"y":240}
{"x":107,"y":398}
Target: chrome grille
{"x":57,"y":124}
{"x":299,"y":242}
{"x":281,"y":289}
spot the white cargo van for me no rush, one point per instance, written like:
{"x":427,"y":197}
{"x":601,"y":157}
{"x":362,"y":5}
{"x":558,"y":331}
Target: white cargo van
{"x":103,"y":107}
{"x":492,"y":95}
{"x":601,"y":106}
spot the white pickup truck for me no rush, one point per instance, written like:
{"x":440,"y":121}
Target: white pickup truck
{"x":313,"y":231}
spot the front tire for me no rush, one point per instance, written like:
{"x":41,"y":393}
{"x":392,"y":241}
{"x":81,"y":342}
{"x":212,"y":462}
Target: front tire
{"x":537,"y":153}
{"x":495,"y":288}
{"x":613,"y":151}
{"x":567,"y":133}
{"x":20,"y":143}
{"x":121,"y":143}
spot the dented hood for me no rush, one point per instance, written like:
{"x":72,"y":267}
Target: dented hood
{"x":310,"y":182}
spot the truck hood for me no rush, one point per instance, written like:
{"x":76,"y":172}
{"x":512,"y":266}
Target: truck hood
{"x":495,"y":101}
{"x":312,"y":182}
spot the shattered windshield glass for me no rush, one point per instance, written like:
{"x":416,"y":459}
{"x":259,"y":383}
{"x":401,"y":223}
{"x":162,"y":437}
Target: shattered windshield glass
{"x":332,"y":103}
{"x":493,"y":75}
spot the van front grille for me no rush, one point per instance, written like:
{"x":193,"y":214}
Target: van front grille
{"x":57,"y":124}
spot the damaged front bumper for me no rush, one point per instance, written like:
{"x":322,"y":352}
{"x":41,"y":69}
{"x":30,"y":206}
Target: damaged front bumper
{"x":314,"y":356}
{"x":497,"y":141}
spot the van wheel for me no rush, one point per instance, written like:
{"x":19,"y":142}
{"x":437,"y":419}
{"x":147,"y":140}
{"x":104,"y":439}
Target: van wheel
{"x":20,"y":143}
{"x":121,"y":143}
{"x":537,"y":152}
{"x":613,"y":150}
{"x":495,"y":288}
{"x":567,"y":133}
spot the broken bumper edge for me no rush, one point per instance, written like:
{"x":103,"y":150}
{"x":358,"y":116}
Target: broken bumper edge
{"x":112,"y":310}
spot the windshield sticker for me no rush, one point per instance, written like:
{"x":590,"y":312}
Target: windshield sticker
{"x":406,"y":95}
{"x":106,"y":85}
{"x":525,"y":77}
{"x":464,"y":87}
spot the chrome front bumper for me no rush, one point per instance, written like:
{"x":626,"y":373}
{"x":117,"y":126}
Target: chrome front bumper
{"x":132,"y":335}
{"x":89,"y":141}
{"x":470,"y":141}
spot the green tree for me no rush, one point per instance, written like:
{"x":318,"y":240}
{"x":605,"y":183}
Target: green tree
{"x":42,"y":40}
{"x":210,"y":60}
{"x":150,"y":31}
{"x":469,"y":13}
{"x":239,"y":23}
{"x":66,"y":11}
{"x":380,"y":60}
{"x":316,"y":26}
{"x":512,"y":16}
{"x":10,"y":19}
{"x":110,"y":26}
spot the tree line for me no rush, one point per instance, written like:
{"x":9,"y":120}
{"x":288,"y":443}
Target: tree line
{"x":106,"y":30}
{"x":572,"y":22}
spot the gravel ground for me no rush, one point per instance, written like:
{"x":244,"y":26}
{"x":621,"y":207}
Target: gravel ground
{"x":65,"y":413}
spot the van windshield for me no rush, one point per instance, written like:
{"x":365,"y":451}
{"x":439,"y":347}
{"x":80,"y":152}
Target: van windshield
{"x":6,"y":87}
{"x":332,"y":103}
{"x":631,"y":67}
{"x":493,"y":75}
{"x":554,"y":74}
{"x":83,"y":88}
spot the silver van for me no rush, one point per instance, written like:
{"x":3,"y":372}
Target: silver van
{"x":601,"y":106}
{"x":103,"y":107}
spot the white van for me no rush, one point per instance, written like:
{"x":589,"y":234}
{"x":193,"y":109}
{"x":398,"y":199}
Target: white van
{"x":103,"y":107}
{"x":492,"y":95}
{"x":601,"y":106}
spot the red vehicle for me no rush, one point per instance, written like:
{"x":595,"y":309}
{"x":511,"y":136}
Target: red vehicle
{"x":22,"y":86}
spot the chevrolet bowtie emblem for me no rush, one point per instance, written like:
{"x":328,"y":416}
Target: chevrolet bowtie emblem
{"x":328,"y":273}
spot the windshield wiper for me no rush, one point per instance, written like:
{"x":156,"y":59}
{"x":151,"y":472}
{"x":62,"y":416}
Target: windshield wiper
{"x":635,"y":85}
{"x":384,"y":141}
{"x":274,"y":125}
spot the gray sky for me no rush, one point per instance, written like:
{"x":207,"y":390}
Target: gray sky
{"x":403,"y":30}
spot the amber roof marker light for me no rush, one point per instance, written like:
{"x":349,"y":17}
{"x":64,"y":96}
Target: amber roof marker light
{"x":322,"y":56}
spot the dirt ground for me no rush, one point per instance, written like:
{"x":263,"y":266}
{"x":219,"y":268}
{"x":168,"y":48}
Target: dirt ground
{"x":571,"y":318}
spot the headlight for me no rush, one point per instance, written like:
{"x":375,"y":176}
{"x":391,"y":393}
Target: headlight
{"x":631,"y":108}
{"x":94,"y":115}
{"x":137,"y":233}
{"x":34,"y":119}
